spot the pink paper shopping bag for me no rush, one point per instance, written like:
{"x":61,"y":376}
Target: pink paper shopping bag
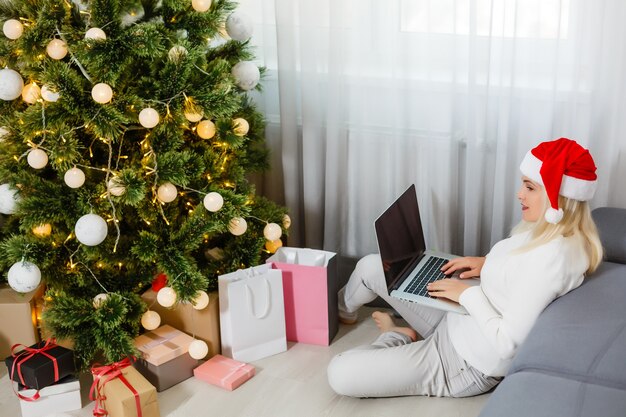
{"x":310,"y":294}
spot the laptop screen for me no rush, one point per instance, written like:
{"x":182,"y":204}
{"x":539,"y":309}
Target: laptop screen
{"x":400,"y":237}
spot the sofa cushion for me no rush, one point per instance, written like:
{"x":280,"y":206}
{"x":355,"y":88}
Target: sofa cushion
{"x":611,"y":224}
{"x":582,"y":335}
{"x":536,"y":394}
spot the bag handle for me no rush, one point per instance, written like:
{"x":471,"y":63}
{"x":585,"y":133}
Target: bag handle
{"x":249,"y":297}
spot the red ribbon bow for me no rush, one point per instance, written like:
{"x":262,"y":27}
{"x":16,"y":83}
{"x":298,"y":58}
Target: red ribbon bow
{"x":24,"y":355}
{"x":105,"y":374}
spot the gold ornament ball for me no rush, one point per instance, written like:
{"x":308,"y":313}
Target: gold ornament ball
{"x":42,"y":230}
{"x":272,"y":232}
{"x":149,"y":117}
{"x":241,"y":126}
{"x":166,"y":297}
{"x":31,"y":93}
{"x":167,"y":192}
{"x":56,"y":49}
{"x":272,"y":246}
{"x":102,"y":93}
{"x":150,"y":320}
{"x":13,"y":29}
{"x":201,"y":5}
{"x":237,"y":226}
{"x":74,"y":177}
{"x":205,"y":129}
{"x":201,"y":300}
{"x":37,"y":158}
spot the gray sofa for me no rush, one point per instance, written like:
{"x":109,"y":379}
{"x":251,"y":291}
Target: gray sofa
{"x":573,"y":362}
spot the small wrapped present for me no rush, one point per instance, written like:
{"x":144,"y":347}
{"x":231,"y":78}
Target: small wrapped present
{"x":121,"y":391}
{"x":224,"y":372}
{"x":40,"y":365}
{"x":65,"y":395}
{"x":21,"y":308}
{"x":168,"y":374}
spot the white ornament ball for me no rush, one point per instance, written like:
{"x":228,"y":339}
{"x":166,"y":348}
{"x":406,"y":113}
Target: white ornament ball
{"x":237,"y":226}
{"x":201,"y":300}
{"x":102,"y":93}
{"x":149,"y":117}
{"x":166,"y":296}
{"x":24,"y":276}
{"x":37,"y":158}
{"x":205,"y":129}
{"x":8,"y":199}
{"x":150,"y":320}
{"x":213,"y":201}
{"x":239,"y":26}
{"x":286,"y":221}
{"x":201,"y":5}
{"x":56,"y":49}
{"x":241,"y":127}
{"x":177,"y":53}
{"x":272,"y":232}
{"x":194,"y":116}
{"x":116,"y":187}
{"x":11,"y":84}
{"x":95,"y":33}
{"x":49,"y":95}
{"x":13,"y":29}
{"x":31,"y":93}
{"x":182,"y":33}
{"x":167,"y":192}
{"x":91,"y":229}
{"x":74,"y":177}
{"x":42,"y":230}
{"x":99,"y":299}
{"x":198,"y":349}
{"x":246,"y":75}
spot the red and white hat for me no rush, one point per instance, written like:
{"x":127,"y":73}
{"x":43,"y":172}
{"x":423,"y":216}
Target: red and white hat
{"x":563,"y":167}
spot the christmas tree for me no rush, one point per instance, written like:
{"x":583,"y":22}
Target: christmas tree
{"x":127,"y":135}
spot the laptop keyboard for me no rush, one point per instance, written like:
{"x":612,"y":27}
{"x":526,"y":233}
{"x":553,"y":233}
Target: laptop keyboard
{"x":431,"y":271}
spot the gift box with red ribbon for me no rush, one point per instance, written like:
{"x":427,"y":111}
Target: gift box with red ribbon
{"x":224,"y":372}
{"x":40,"y":365}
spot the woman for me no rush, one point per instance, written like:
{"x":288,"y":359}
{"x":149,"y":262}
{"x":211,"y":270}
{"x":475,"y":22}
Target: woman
{"x":547,"y":255}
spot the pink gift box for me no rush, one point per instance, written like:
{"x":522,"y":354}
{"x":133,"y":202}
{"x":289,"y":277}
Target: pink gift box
{"x":224,"y":372}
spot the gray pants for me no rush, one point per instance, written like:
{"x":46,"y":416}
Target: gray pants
{"x":394,"y":365}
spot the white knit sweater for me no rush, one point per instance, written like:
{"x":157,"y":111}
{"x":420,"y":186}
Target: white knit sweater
{"x":514,"y":290}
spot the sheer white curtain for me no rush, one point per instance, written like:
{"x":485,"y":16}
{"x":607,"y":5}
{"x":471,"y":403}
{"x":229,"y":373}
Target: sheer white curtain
{"x":365,"y":97}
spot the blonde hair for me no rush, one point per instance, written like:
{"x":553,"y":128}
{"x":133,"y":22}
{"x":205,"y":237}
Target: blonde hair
{"x":576,"y":222}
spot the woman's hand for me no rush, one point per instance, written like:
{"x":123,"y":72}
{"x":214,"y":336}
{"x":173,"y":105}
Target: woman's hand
{"x":449,"y":288}
{"x":473,"y":264}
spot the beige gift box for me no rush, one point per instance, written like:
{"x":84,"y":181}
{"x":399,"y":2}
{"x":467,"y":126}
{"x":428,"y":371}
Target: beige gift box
{"x":22,"y":326}
{"x":163,"y":344}
{"x":120,"y":400}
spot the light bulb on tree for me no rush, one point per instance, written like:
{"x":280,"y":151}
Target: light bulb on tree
{"x":205,"y":129}
{"x":166,"y":297}
{"x":49,"y":95}
{"x":286,"y":221}
{"x":237,"y":226}
{"x":272,"y":232}
{"x":74,"y":177}
{"x":150,"y":320}
{"x":213,"y":201}
{"x":99,"y":299}
{"x":13,"y":29}
{"x":91,"y":230}
{"x":31,"y":93}
{"x":37,"y":158}
{"x":11,"y":84}
{"x":102,"y":93}
{"x":194,"y":116}
{"x":167,"y":192}
{"x":240,"y":126}
{"x":24,"y":276}
{"x":198,"y":349}
{"x":43,"y":230}
{"x":149,"y":117}
{"x":8,"y":199}
{"x":201,"y":300}
{"x":95,"y":34}
{"x":201,"y":5}
{"x":56,"y":49}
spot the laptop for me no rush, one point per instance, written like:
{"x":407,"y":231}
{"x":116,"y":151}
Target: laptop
{"x":408,"y":266}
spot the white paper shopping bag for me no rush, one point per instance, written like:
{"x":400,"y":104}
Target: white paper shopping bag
{"x":252,"y":313}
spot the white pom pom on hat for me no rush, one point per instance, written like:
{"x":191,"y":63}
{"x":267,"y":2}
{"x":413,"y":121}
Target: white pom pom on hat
{"x":564,"y":168}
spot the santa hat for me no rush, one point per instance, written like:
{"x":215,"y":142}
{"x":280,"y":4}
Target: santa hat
{"x":563,"y":167}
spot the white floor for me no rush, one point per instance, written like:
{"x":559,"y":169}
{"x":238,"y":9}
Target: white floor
{"x":287,"y":385}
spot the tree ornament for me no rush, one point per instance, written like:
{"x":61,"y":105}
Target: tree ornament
{"x":159,"y":281}
{"x":237,"y":226}
{"x":56,"y":49}
{"x":272,"y":246}
{"x":3,"y":132}
{"x":13,"y":29}
{"x":239,"y":26}
{"x":116,"y":187}
{"x":166,"y":296}
{"x":201,"y":5}
{"x":8,"y":199}
{"x":96,"y":34}
{"x":167,"y":192}
{"x":241,"y":126}
{"x":201,"y":300}
{"x":37,"y":158}
{"x":24,"y":276}
{"x":246,"y":75}
{"x":43,"y":230}
{"x":91,"y":230}
{"x":286,"y":221}
{"x":149,"y":117}
{"x":182,"y":34}
{"x":102,"y":93}
{"x":74,"y":177}
{"x":99,"y":299}
{"x":150,"y":320}
{"x":205,"y":129}
{"x":272,"y":232}
{"x":11,"y":84}
{"x":198,"y":349}
{"x":194,"y":116}
{"x":31,"y":93}
{"x":177,"y":53}
{"x":213,"y":201}
{"x":49,"y":95}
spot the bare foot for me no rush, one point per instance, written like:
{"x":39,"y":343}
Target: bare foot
{"x":386,"y":324}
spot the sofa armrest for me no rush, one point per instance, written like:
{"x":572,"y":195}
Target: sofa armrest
{"x":611,"y":223}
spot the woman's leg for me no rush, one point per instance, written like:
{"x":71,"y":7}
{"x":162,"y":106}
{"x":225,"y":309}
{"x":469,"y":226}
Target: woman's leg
{"x":367,"y":282}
